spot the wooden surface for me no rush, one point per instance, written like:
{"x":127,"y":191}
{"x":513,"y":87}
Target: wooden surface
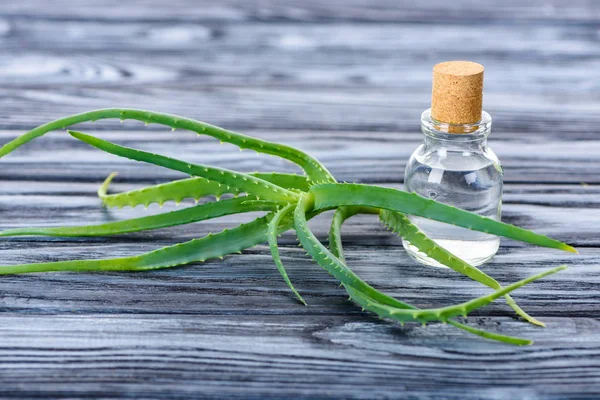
{"x":346,"y":81}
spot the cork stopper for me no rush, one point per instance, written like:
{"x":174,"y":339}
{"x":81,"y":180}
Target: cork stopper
{"x":457,"y":94}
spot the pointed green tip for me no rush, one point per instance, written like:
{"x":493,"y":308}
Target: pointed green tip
{"x":78,"y":135}
{"x":568,"y":248}
{"x":534,"y":321}
{"x":560,"y":268}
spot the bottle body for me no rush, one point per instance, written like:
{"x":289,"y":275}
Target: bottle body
{"x":457,"y":169}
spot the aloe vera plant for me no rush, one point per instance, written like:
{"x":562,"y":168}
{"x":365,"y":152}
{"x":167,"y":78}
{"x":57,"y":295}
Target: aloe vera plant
{"x":289,"y":201}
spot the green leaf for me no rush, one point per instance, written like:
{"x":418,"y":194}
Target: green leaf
{"x":335,"y":230}
{"x":445,"y":313}
{"x":375,"y":307}
{"x":194,"y":188}
{"x":335,"y":195}
{"x":197,"y":250}
{"x":242,"y":182}
{"x":313,"y":168}
{"x":272,"y":236}
{"x":179,"y":217}
{"x":288,"y":181}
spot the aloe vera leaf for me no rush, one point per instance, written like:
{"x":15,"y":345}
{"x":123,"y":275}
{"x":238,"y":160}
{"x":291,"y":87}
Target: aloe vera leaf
{"x":198,"y":250}
{"x":329,"y":262}
{"x":491,"y":335}
{"x":401,"y":224}
{"x":177,"y":191}
{"x":445,"y":313}
{"x":194,"y":188}
{"x":371,"y":305}
{"x":272,"y":234}
{"x":288,"y":181}
{"x":212,"y":246}
{"x":179,"y":217}
{"x":335,"y":195}
{"x":340,"y":215}
{"x":242,"y":182}
{"x":313,"y":168}
{"x":164,"y":192}
{"x":335,"y":231}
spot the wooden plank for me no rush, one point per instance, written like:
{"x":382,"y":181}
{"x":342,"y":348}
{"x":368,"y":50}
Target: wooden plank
{"x":438,"y":11}
{"x":342,"y":76}
{"x":320,"y":110}
{"x":153,"y":356}
{"x":331,"y":55}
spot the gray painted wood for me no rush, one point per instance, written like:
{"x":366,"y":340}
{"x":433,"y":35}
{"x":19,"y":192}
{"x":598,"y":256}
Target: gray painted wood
{"x":346,"y":81}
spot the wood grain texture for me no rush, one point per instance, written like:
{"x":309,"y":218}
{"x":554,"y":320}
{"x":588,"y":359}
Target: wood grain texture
{"x":346,"y":81}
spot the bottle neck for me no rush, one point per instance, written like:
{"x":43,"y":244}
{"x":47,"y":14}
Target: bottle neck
{"x":471,"y":137}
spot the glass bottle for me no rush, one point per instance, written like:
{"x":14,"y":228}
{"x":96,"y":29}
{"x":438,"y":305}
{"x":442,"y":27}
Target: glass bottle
{"x":455,"y":166}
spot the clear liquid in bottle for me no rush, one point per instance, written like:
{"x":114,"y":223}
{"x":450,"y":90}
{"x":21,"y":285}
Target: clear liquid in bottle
{"x":471,"y":180}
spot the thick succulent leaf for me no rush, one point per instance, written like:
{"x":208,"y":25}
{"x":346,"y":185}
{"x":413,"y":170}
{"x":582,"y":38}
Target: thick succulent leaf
{"x":179,"y":217}
{"x":176,"y":191}
{"x":197,"y":250}
{"x":445,"y":313}
{"x":313,"y":168}
{"x":335,"y":195}
{"x":272,"y":234}
{"x":212,"y":246}
{"x":372,"y":305}
{"x":335,"y":231}
{"x":402,"y":225}
{"x":491,"y":335}
{"x":288,"y":181}
{"x":193,"y":188}
{"x":242,"y":182}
